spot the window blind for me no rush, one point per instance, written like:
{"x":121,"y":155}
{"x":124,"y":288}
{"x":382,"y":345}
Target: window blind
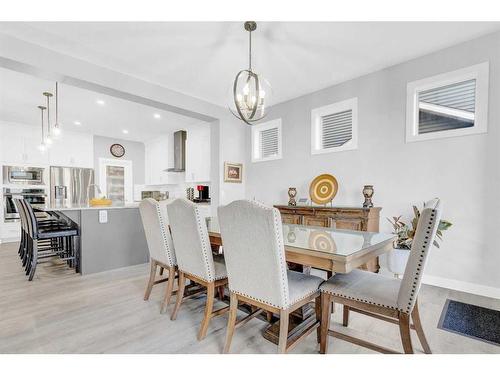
{"x":447,"y":107}
{"x":269,"y":143}
{"x":336,"y":129}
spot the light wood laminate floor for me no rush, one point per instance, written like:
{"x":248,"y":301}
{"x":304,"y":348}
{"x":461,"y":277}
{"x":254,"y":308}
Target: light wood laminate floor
{"x":62,"y":312}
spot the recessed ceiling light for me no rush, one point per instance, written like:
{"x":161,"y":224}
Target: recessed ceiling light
{"x":125,"y":131}
{"x":156,"y":115}
{"x":100,"y":102}
{"x":77,"y":123}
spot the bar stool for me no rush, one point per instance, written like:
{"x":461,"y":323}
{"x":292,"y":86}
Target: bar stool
{"x":46,"y":240}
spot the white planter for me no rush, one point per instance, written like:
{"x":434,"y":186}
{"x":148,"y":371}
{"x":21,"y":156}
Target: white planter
{"x":396,"y":261}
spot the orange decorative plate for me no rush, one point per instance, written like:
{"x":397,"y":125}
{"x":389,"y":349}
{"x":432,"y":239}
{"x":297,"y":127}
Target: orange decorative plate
{"x":323,"y":189}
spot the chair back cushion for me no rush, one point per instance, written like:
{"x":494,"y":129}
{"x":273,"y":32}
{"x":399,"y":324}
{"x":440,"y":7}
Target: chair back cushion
{"x":191,"y":241}
{"x":155,"y":222}
{"x":422,"y":242}
{"x":252,"y":238}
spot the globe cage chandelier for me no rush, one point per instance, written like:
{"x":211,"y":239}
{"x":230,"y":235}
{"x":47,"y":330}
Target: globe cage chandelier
{"x":250,"y":91}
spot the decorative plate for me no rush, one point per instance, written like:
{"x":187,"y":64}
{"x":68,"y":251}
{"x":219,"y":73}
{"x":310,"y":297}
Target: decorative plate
{"x":323,"y":189}
{"x":322,"y":241}
{"x":117,"y":150}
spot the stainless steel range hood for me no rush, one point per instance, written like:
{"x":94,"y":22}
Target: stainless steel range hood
{"x":179,"y":152}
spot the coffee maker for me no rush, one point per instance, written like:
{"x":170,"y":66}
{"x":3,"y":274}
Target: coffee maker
{"x":203,"y":193}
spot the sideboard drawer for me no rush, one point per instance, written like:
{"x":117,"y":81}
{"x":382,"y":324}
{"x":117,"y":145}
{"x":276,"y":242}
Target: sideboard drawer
{"x":348,"y":224}
{"x":290,"y":219}
{"x":317,"y":221}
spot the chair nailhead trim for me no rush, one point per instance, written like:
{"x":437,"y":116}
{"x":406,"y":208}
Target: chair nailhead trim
{"x":171,"y":262}
{"x":416,"y":275}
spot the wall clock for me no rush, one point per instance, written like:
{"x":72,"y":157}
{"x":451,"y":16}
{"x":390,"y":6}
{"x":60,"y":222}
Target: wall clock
{"x":117,"y":150}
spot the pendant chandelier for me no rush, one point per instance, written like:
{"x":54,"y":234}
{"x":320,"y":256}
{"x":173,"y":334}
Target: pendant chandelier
{"x":57,"y":126}
{"x":250,"y":91}
{"x":48,"y":138}
{"x":42,"y":146}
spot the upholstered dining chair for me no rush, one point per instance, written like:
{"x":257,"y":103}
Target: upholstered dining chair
{"x":388,"y":299}
{"x":257,"y":271}
{"x":160,"y":246}
{"x":194,"y":257}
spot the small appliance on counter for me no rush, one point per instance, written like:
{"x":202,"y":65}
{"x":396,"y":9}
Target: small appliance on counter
{"x":190,"y":194}
{"x":203,"y":194}
{"x":156,"y":195}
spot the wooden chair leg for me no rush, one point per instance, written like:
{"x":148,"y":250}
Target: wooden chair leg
{"x":317,"y":310}
{"x":233,"y":309}
{"x":180,"y":295}
{"x":283,"y":338}
{"x":326,"y":304}
{"x":415,"y":316}
{"x":152,"y":274}
{"x":345,"y":321}
{"x":208,"y":311}
{"x":404,"y":330}
{"x":269,"y":316}
{"x":169,"y":289}
{"x":220,"y":292}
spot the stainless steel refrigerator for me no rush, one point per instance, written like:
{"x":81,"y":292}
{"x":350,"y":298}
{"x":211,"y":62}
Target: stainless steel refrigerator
{"x":71,"y":186}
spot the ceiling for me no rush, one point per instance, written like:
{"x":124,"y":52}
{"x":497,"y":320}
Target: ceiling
{"x":20,"y":94}
{"x":201,"y":58}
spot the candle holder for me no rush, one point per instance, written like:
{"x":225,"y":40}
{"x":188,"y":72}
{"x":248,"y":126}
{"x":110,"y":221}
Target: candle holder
{"x":292,"y":193}
{"x":368,"y":194}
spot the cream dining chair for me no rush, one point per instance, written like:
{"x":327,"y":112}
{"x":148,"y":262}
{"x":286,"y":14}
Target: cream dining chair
{"x":255,"y":258}
{"x":195,"y":259}
{"x":391,"y":300}
{"x":160,"y":246}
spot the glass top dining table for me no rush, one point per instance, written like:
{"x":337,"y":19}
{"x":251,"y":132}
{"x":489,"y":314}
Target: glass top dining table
{"x":326,"y":248}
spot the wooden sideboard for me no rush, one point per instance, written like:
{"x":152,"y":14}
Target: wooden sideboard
{"x":352,"y":218}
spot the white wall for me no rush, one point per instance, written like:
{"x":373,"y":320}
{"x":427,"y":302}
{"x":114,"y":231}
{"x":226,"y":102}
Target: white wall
{"x":462,"y":171}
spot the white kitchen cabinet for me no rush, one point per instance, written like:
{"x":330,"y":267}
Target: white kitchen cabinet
{"x":157,"y":161}
{"x":72,"y":150}
{"x":19,"y":145}
{"x":198,"y":154}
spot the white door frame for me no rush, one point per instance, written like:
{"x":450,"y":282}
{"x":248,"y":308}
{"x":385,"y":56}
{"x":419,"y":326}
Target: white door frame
{"x":128,"y":176}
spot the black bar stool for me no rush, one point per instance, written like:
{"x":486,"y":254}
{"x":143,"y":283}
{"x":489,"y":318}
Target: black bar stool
{"x":46,"y":239}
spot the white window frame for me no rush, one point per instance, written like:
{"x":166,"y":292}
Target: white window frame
{"x":256,"y":129}
{"x":316,"y":134}
{"x":479,"y":72}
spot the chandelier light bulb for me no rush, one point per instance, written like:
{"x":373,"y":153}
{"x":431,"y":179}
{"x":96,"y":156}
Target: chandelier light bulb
{"x":56,"y":130}
{"x":42,"y":147}
{"x":48,"y":141}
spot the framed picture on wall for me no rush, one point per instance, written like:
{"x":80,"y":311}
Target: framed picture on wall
{"x":233,"y":172}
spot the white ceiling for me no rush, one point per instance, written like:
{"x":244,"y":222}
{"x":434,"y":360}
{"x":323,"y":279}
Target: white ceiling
{"x":201,"y":58}
{"x":20,"y":94}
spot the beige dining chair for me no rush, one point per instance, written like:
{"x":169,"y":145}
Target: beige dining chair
{"x":388,"y":299}
{"x":195,"y":259}
{"x":160,"y":246}
{"x":257,"y":271}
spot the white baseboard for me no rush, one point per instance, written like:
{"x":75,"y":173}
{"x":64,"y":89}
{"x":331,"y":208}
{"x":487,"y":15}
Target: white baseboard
{"x":462,"y":286}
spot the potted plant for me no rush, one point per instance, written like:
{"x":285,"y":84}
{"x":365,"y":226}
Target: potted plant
{"x":396,"y":259}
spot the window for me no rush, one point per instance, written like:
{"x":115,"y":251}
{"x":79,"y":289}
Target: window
{"x":335,"y":127}
{"x":266,"y":141}
{"x":448,"y":105}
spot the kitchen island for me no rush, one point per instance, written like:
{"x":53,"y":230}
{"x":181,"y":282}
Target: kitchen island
{"x":109,"y":237}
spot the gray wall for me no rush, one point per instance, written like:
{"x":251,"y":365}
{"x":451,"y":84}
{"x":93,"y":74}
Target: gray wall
{"x":134,"y":151}
{"x":463,"y":171}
